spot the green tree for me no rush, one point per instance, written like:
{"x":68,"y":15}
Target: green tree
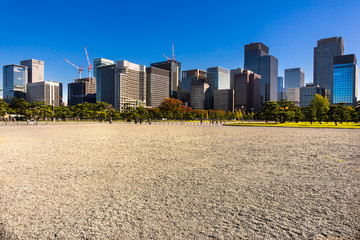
{"x":270,"y":111}
{"x":321,"y":106}
{"x":3,"y":108}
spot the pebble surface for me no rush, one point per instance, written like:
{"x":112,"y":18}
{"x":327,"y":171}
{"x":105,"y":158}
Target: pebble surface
{"x":127,"y":181}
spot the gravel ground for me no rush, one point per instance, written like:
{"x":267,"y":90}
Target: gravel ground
{"x":127,"y":181}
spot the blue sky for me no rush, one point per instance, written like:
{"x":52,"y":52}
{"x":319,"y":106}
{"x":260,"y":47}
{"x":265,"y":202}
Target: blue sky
{"x":205,"y":33}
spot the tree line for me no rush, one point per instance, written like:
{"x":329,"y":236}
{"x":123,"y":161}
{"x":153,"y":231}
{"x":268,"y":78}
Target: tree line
{"x":171,"y":108}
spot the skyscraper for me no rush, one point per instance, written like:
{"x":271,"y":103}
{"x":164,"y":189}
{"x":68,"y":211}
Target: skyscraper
{"x":224,"y":99}
{"x":174,"y":69}
{"x":81,"y":91}
{"x":253,"y":53}
{"x":157,"y":86}
{"x":280,"y":88}
{"x":15,"y":79}
{"x":345,"y":84}
{"x":48,"y":92}
{"x":200,"y":96}
{"x":269,"y":75}
{"x":217,"y":78}
{"x":233,"y":72}
{"x":324,"y":54}
{"x":130,"y":85}
{"x":106,"y":73}
{"x":247,"y":87}
{"x":258,"y":60}
{"x":189,"y":78}
{"x":35,"y":70}
{"x":294,"y":80}
{"x":98,"y":62}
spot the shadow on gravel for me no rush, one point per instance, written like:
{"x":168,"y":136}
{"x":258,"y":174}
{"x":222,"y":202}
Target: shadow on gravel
{"x":3,"y":234}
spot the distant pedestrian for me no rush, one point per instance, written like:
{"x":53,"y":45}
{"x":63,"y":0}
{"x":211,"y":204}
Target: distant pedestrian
{"x":110,"y":121}
{"x":149,"y":120}
{"x":201,"y":121}
{"x":135,"y":120}
{"x":141,"y":120}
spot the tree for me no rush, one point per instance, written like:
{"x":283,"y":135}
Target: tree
{"x":270,"y":111}
{"x":3,"y":108}
{"x":333,"y":114}
{"x":310,"y":114}
{"x":321,"y":106}
{"x":239,"y":115}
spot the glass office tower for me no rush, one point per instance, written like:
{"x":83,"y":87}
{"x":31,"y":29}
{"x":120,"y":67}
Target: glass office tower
{"x":345,"y":82}
{"x":258,"y":60}
{"x":253,"y":53}
{"x":97,"y":74}
{"x":174,"y":68}
{"x":324,"y":54}
{"x":217,"y":78}
{"x":15,"y":78}
{"x":269,"y":75}
{"x":280,"y":88}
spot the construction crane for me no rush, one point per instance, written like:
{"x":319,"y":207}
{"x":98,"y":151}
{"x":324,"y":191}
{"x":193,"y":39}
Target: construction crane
{"x":173,"y":53}
{"x":167,"y":57}
{"x":80,"y":68}
{"x":90,"y":65}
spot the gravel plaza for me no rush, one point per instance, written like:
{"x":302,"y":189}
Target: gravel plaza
{"x":158,"y":181}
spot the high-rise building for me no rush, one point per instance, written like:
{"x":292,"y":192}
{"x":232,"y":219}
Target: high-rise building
{"x":35,"y":70}
{"x":345,"y":84}
{"x":252,"y":56}
{"x":308,"y":92}
{"x":224,"y":99}
{"x":247,"y":87}
{"x":324,"y":54}
{"x":269,"y":75}
{"x":106,"y":74}
{"x":280,"y":88}
{"x":217,"y":78}
{"x":98,"y":62}
{"x":233,"y":72}
{"x":258,"y":60}
{"x":157,"y":86}
{"x":15,"y":79}
{"x":48,"y":92}
{"x":81,"y":91}
{"x":200,"y":96}
{"x":130,"y":85}
{"x":294,"y":80}
{"x":189,"y":78}
{"x":174,"y":69}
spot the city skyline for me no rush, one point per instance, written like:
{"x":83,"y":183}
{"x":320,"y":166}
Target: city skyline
{"x":283,"y":29}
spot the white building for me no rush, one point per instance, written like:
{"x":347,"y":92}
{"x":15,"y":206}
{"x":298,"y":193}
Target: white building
{"x":35,"y":70}
{"x":48,"y":92}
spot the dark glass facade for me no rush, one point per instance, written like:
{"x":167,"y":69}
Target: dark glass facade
{"x":345,"y":80}
{"x":324,"y":54}
{"x":253,"y":53}
{"x":97,"y":74}
{"x":280,"y":88}
{"x":269,"y":75}
{"x":258,"y":60}
{"x":174,"y":69}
